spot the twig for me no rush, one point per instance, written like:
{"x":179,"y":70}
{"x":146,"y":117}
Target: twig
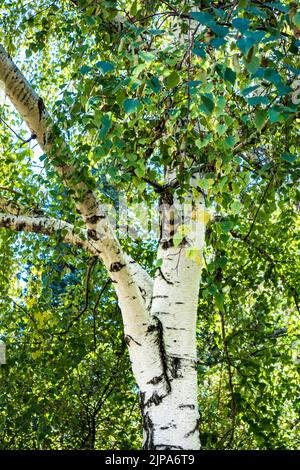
{"x":259,"y":207}
{"x":91,"y":267}
{"x":25,"y":141}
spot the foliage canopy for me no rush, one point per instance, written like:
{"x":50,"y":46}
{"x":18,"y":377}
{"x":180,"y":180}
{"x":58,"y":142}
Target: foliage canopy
{"x":207,"y":87}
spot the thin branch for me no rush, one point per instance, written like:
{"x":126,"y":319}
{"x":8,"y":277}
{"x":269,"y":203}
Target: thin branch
{"x":90,"y":270}
{"x":258,"y":209}
{"x":107,"y":283}
{"x":25,"y":141}
{"x":48,"y":226}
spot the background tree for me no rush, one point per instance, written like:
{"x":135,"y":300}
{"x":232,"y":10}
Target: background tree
{"x":166,"y":102}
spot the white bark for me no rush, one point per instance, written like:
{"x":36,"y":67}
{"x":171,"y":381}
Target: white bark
{"x":174,"y":304}
{"x":47,"y":226}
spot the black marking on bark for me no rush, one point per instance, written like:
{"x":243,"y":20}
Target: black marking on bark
{"x":149,"y":432}
{"x":166,"y":198}
{"x":116,"y":267}
{"x":160,"y":297}
{"x":142,"y":400}
{"x":129,"y":338}
{"x":147,"y":425}
{"x":142,"y":291}
{"x":194,"y":429}
{"x":6,"y":223}
{"x":93,"y":234}
{"x":174,"y":328}
{"x":162,"y":352}
{"x":21,"y":95}
{"x":94,"y":219}
{"x":155,"y":380}
{"x":175,"y":367}
{"x":155,"y":399}
{"x":22,"y":225}
{"x":164,"y":278}
{"x":179,"y":303}
{"x":151,"y":328}
{"x":167,"y":244}
{"x":167,"y":447}
{"x":41,"y":107}
{"x":191,"y":407}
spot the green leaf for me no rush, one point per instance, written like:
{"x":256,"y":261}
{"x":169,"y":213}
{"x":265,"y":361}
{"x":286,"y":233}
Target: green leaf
{"x":235,"y":207}
{"x":154,"y":84}
{"x":278,"y":5}
{"x":207,"y":105}
{"x":177,"y":239}
{"x":133,"y":9}
{"x":243,"y":4}
{"x":203,"y":142}
{"x":230,"y":141}
{"x":260,"y":118}
{"x":172,"y":80}
{"x":220,"y":31}
{"x":249,"y":89}
{"x":226,"y":226}
{"x":244,"y":44}
{"x":275,"y":116}
{"x":147,"y":56}
{"x":217,"y":42}
{"x":242,"y":24}
{"x":202,"y":17}
{"x":156,"y":32}
{"x":219,"y":299}
{"x":255,"y":100}
{"x":221,"y":129}
{"x":253,"y":65}
{"x":131,"y":105}
{"x":251,"y":38}
{"x":230,"y":75}
{"x":104,"y":66}
{"x":199,"y":51}
{"x":106,"y":125}
{"x":139,"y":171}
{"x":289,"y":157}
{"x":296,"y":19}
{"x":85,"y":69}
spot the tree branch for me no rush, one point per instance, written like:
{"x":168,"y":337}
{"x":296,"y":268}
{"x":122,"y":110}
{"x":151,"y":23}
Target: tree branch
{"x":66,"y":232}
{"x":47,"y":226}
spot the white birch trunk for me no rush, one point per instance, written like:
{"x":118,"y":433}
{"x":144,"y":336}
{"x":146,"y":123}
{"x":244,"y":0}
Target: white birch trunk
{"x":172,"y":422}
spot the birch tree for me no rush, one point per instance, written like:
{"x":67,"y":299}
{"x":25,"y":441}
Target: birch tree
{"x":182,"y":104}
